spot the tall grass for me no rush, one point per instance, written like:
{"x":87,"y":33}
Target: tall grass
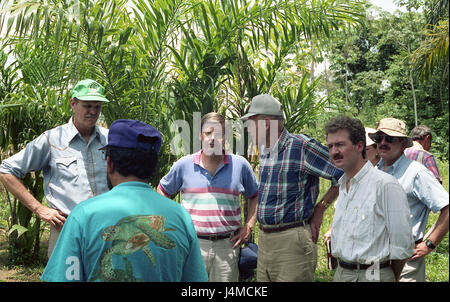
{"x":436,"y":263}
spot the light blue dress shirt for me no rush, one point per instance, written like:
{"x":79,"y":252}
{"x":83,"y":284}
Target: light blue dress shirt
{"x":74,"y":170}
{"x":423,"y":191}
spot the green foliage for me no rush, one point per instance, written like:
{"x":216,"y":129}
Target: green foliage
{"x":369,"y":77}
{"x":160,"y":61}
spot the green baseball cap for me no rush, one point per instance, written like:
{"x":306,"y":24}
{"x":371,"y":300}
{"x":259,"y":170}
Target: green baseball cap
{"x":89,"y":90}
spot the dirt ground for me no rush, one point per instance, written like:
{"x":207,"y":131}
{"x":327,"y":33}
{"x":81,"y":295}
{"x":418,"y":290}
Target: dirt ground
{"x":18,"y":273}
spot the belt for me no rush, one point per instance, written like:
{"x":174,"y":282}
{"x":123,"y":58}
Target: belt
{"x":273,"y":228}
{"x":353,"y":266}
{"x":214,"y":237}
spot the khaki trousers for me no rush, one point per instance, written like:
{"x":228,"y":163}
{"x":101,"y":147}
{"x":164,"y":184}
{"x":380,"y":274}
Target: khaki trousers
{"x":413,"y":271}
{"x":221,"y":260}
{"x":287,"y":256}
{"x":386,"y":274}
{"x":54,"y":234}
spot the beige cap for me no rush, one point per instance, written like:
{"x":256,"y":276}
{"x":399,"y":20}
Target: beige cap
{"x":392,"y":127}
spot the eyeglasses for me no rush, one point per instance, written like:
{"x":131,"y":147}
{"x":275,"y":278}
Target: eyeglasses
{"x":378,"y":138}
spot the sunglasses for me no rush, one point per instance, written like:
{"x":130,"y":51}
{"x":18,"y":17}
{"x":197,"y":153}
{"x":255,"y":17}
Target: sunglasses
{"x":378,"y":138}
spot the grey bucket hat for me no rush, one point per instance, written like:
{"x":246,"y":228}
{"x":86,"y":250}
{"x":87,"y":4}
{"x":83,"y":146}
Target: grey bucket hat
{"x":264,"y":104}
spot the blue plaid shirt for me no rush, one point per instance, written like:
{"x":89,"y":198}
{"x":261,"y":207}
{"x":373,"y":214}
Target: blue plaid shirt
{"x":289,"y":180}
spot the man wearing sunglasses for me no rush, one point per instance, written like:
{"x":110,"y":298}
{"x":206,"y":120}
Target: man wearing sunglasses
{"x":423,"y":191}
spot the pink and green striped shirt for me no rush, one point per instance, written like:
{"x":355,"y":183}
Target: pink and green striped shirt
{"x":212,"y":200}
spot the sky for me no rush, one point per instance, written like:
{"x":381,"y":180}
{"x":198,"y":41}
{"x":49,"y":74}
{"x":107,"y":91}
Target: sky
{"x":387,"y":5}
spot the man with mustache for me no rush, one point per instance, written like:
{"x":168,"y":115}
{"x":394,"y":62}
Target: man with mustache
{"x":210,"y":182}
{"x":73,"y":167}
{"x":371,"y":233}
{"x":423,"y":191}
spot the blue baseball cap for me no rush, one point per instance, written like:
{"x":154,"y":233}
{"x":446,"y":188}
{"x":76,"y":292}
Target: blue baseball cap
{"x":133,"y":134}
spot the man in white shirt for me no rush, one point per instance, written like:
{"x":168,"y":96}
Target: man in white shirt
{"x":371,"y":231}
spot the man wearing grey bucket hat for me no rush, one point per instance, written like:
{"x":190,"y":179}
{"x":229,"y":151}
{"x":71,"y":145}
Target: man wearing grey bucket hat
{"x":423,"y":191}
{"x":290,"y":168}
{"x":73,"y":167}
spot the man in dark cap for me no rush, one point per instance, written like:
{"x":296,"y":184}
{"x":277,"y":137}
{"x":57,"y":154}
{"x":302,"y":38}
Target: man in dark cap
{"x":130,"y":233}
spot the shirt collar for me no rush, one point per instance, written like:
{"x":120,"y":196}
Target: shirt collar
{"x":198,"y":155}
{"x":72,"y":132}
{"x":394,"y":166}
{"x":280,"y":144}
{"x":416,"y":145}
{"x":358,"y":176}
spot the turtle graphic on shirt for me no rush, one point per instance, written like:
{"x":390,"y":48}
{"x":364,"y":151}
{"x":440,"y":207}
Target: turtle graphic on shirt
{"x":131,"y":234}
{"x":118,"y":274}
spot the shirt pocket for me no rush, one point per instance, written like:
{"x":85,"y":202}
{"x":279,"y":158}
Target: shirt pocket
{"x":363,"y":230}
{"x":66,"y":167}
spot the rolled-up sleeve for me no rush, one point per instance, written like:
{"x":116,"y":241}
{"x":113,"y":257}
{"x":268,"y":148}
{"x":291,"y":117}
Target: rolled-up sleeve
{"x":33,"y":157}
{"x":318,"y":162}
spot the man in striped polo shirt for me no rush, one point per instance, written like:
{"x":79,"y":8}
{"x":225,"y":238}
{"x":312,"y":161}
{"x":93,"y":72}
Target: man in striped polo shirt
{"x":210,"y":182}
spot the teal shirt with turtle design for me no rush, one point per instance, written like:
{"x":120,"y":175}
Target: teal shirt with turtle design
{"x":130,"y":233}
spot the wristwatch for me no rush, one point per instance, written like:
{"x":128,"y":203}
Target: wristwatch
{"x":430,"y":244}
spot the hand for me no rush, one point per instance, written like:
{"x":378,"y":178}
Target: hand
{"x":316,"y":223}
{"x":327,"y":237}
{"x":242,"y":236}
{"x":420,"y":250}
{"x":55,"y":217}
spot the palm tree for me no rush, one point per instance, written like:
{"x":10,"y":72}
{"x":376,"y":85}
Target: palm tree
{"x":163,"y":60}
{"x":434,"y":48}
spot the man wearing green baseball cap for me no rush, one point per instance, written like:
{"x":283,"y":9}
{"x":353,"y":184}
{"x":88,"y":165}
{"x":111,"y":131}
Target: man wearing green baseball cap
{"x":74,"y":169}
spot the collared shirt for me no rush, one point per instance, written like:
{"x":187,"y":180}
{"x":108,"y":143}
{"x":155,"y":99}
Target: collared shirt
{"x":422,"y":189}
{"x":289,"y":178}
{"x":371,"y":221}
{"x":73,"y":169}
{"x":417,"y":153}
{"x":212,"y":200}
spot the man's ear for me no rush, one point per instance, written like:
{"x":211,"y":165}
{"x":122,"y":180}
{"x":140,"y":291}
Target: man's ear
{"x":404,"y":142}
{"x":109,"y":165}
{"x":72,"y":102}
{"x":360,"y":146}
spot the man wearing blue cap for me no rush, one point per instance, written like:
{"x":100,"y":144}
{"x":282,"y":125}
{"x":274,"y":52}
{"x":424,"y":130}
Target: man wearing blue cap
{"x":72,"y":165}
{"x":130,"y":233}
